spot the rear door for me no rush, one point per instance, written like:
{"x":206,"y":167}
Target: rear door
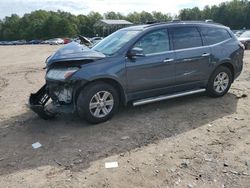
{"x":192,"y":58}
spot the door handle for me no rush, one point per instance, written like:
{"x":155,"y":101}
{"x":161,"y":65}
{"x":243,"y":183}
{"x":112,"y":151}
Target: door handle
{"x":185,"y":60}
{"x":168,"y":60}
{"x":205,"y":55}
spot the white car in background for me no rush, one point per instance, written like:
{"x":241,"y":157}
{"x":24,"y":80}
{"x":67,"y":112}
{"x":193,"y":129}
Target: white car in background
{"x":55,"y":41}
{"x":244,"y":38}
{"x":96,"y":40}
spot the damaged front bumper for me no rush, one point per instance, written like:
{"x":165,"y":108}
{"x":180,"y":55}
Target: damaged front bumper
{"x":49,"y":101}
{"x":37,"y":103}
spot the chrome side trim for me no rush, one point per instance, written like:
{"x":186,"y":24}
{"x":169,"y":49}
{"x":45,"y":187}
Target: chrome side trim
{"x":167,"y":60}
{"x":165,"y":97}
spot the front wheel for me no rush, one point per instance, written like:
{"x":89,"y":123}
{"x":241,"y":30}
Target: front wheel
{"x":220,"y":82}
{"x":97,"y":102}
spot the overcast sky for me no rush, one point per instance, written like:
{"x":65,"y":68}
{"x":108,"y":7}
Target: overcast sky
{"x":8,"y":7}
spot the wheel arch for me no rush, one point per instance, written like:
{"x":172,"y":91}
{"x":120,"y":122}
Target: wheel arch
{"x":229,"y":66}
{"x":116,"y":84}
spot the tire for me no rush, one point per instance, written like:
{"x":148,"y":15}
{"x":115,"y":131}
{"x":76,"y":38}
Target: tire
{"x":97,"y":102}
{"x":219,"y":82}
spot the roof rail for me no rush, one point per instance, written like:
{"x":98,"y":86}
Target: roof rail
{"x":152,"y":22}
{"x":155,"y":23}
{"x":176,"y":20}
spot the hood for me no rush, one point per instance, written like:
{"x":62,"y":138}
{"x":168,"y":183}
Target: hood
{"x":74,"y":52}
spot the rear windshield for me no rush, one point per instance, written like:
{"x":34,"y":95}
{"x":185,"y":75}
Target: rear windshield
{"x":115,"y":41}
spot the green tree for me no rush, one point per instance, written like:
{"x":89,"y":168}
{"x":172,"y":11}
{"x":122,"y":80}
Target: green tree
{"x":43,"y":24}
{"x":158,"y":16}
{"x":10,"y":27}
{"x":114,"y":15}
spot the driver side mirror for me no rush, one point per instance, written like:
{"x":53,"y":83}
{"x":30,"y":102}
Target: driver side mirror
{"x":136,"y":52}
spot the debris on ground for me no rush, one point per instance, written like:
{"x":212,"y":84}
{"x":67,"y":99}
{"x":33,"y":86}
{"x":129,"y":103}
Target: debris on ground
{"x":111,"y":164}
{"x":185,"y":163}
{"x":36,"y":145}
{"x":248,"y":164}
{"x":225,"y":164}
{"x":124,"y":137}
{"x":234,"y":172}
{"x":57,"y":162}
{"x":241,"y":96}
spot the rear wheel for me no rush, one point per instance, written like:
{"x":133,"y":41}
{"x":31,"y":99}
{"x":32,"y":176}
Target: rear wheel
{"x":97,"y":102}
{"x":220,"y":82}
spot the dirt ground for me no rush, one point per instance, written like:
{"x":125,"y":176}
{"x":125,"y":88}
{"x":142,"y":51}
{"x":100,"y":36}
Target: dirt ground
{"x":194,"y":141}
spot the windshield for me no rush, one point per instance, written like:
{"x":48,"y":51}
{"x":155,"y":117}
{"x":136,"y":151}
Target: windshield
{"x":245,"y":34}
{"x":115,"y":41}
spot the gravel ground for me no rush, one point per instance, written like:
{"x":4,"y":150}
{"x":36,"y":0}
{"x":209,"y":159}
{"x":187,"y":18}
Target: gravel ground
{"x":193,"y":141}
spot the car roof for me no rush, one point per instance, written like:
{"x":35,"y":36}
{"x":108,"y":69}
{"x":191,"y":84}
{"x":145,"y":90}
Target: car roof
{"x":174,"y":23}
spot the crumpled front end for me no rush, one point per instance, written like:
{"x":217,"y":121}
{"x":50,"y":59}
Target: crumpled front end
{"x":57,"y":95}
{"x":52,"y":99}
{"x":38,"y":101}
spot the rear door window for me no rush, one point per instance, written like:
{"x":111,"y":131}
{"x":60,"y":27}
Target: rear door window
{"x":214,"y":35}
{"x":186,"y":37}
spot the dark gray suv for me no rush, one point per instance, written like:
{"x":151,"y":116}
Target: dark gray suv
{"x":139,"y":65}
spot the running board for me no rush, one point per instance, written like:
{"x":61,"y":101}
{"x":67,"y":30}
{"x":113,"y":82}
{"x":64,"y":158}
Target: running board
{"x":165,"y":97}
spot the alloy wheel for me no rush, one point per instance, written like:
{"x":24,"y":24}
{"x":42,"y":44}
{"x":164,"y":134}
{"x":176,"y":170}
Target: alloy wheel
{"x":101,"y":104}
{"x":221,"y":82}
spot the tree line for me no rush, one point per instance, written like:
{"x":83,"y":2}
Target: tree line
{"x":43,"y":24}
{"x":234,"y":14}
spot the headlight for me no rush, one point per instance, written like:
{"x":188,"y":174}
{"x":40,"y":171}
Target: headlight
{"x":61,"y":74}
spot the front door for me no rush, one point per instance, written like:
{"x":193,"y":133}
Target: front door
{"x":155,"y":70}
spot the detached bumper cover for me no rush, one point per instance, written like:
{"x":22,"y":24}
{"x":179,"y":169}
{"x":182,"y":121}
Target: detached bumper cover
{"x":37,"y":102}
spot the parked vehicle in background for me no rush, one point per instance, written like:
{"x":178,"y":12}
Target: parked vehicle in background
{"x":139,"y":65}
{"x":67,"y":40}
{"x":19,"y":42}
{"x":8,"y":43}
{"x":35,"y":42}
{"x":76,"y":40}
{"x":237,"y":33}
{"x":2,"y":42}
{"x":55,"y":41}
{"x":96,"y":40}
{"x":244,"y":38}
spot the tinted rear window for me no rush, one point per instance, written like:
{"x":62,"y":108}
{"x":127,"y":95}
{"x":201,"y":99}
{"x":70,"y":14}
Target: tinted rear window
{"x":214,"y":35}
{"x":186,"y":37}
